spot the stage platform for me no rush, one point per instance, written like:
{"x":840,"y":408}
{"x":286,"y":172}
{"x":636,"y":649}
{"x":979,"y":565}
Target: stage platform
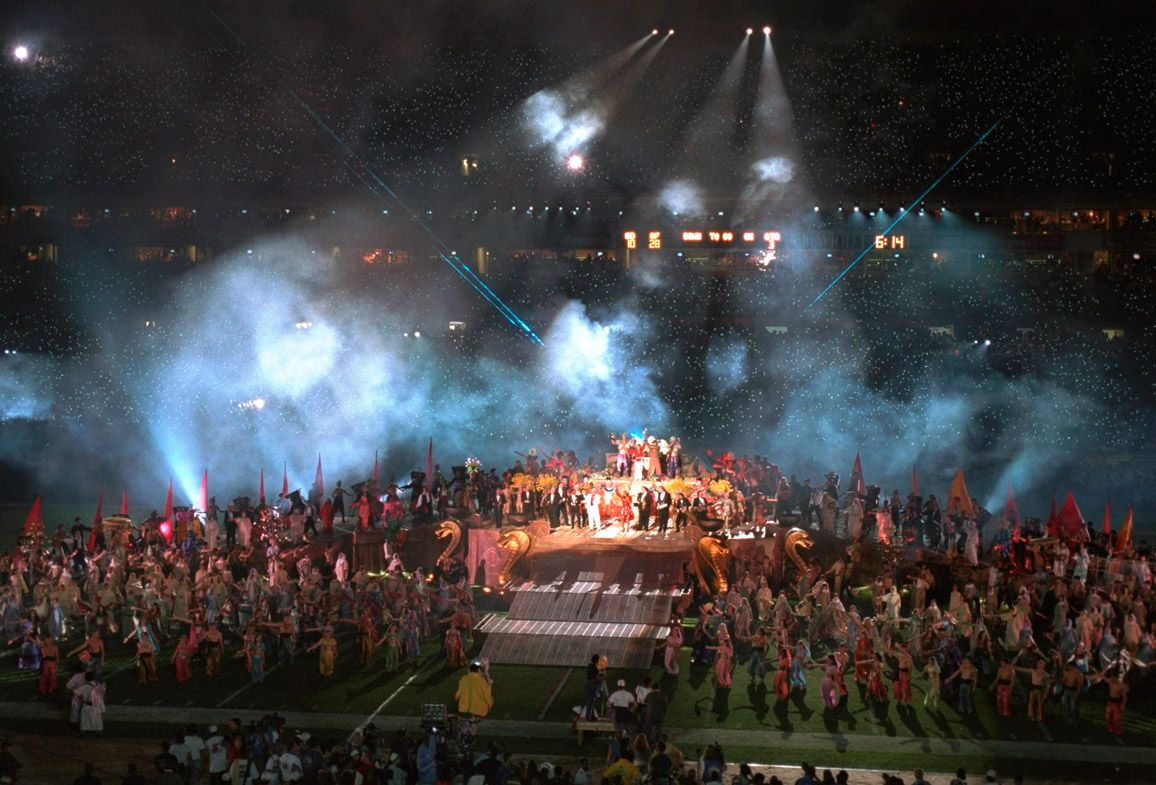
{"x":614,"y":601}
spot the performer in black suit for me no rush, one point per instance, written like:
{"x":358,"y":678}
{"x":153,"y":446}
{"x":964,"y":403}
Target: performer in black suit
{"x":662,"y":502}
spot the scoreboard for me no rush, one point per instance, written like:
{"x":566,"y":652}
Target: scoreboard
{"x":764,"y":241}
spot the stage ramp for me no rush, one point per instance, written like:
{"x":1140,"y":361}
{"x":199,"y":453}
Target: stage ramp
{"x":620,"y":608}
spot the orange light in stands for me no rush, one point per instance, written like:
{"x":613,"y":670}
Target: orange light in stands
{"x":748,"y":237}
{"x":714,"y":236}
{"x":896,"y":241}
{"x":654,"y":240}
{"x":771,"y":238}
{"x":692,"y":237}
{"x":728,"y":237}
{"x":631,"y":239}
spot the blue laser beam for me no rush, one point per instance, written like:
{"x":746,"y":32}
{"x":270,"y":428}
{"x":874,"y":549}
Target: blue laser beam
{"x":380,"y":189}
{"x":905,"y":210}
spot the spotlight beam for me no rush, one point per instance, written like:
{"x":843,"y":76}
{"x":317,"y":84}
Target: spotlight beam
{"x":369,"y":177}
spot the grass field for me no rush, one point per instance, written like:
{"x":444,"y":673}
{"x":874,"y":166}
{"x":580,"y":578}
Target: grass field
{"x":551,"y":693}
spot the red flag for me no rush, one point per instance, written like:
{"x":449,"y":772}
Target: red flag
{"x":914,"y":482}
{"x":1070,"y":522}
{"x":34,"y":523}
{"x":429,"y":466}
{"x":261,"y":493}
{"x":97,"y":522}
{"x":1052,"y":527}
{"x":1107,"y":517}
{"x":1124,"y":540}
{"x":124,"y":502}
{"x":205,"y":492}
{"x":169,"y":503}
{"x":375,"y":481}
{"x":317,"y":478}
{"x":284,"y":480}
{"x":1009,"y":506}
{"x":855,"y":484}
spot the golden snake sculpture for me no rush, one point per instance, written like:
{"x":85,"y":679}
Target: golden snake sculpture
{"x":787,"y":544}
{"x":517,"y":542}
{"x":711,"y":556}
{"x":448,"y":528}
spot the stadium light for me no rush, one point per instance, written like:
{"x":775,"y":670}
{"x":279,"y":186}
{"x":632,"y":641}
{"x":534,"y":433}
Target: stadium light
{"x":671,"y":31}
{"x":654,"y":31}
{"x":767,"y":30}
{"x":750,"y":31}
{"x":575,"y":163}
{"x":20,"y":53}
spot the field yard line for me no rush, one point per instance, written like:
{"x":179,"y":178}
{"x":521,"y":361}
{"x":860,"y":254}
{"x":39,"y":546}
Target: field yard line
{"x":245,"y":686}
{"x":554,"y":694}
{"x":393,"y":695}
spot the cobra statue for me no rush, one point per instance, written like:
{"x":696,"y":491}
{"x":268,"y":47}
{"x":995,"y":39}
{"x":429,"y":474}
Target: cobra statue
{"x":711,"y":556}
{"x":517,"y":543}
{"x":448,"y":529}
{"x":787,"y":544}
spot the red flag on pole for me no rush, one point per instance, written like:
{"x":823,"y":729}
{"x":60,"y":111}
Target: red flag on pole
{"x":375,"y":480}
{"x":97,"y":522}
{"x":855,"y":484}
{"x":205,"y":492}
{"x":318,"y":480}
{"x":124,"y":502}
{"x":429,"y":466}
{"x":284,"y":480}
{"x":261,"y":493}
{"x":914,"y":482}
{"x":1052,"y":527}
{"x":1010,"y":510}
{"x":1107,"y":517}
{"x":34,"y":523}
{"x":1124,"y":540}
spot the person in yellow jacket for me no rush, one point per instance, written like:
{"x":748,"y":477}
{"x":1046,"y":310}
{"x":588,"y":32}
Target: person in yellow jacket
{"x":473,"y":695}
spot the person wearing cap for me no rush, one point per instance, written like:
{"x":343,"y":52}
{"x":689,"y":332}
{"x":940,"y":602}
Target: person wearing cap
{"x":474,"y":694}
{"x":621,"y":703}
{"x":218,"y":753}
{"x":395,"y":773}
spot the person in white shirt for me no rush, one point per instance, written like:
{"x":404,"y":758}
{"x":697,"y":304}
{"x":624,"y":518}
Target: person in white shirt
{"x":621,"y":702}
{"x":272,"y":773}
{"x":180,"y":751}
{"x":198,"y":753}
{"x":218,"y":755}
{"x":290,"y":764}
{"x":583,"y":776}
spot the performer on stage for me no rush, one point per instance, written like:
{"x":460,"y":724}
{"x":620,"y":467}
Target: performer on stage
{"x":662,"y":502}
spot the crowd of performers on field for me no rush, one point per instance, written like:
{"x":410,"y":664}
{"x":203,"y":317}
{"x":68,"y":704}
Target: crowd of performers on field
{"x":1049,"y":628}
{"x":184,"y":604}
{"x":186,"y":612}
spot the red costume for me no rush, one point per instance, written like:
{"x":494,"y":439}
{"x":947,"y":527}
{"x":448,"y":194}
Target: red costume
{"x":782,"y":675}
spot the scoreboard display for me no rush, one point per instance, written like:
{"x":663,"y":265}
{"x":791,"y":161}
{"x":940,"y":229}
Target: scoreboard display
{"x":766,"y":242}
